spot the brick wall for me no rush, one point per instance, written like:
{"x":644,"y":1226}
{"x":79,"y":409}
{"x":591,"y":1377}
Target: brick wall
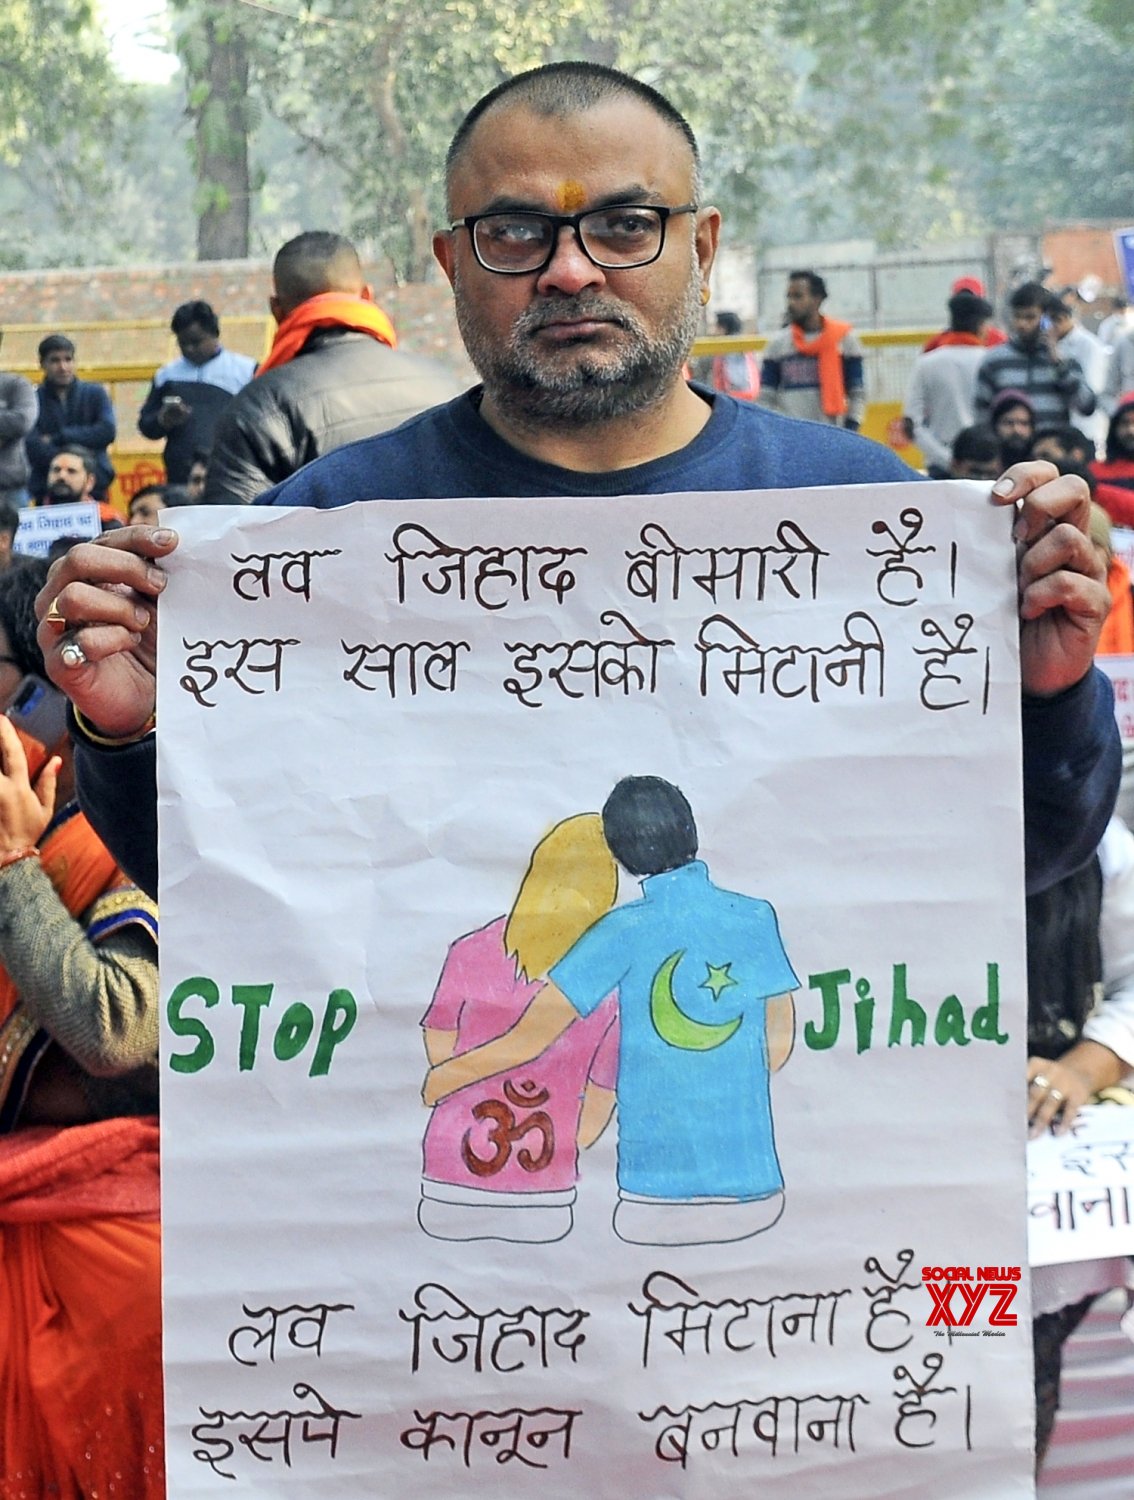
{"x":64,"y":300}
{"x":1080,"y":250}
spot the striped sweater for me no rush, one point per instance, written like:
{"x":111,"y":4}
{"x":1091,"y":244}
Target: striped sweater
{"x":1055,"y":388}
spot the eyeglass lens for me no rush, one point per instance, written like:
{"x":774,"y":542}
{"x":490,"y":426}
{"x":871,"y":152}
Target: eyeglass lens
{"x":610,"y":236}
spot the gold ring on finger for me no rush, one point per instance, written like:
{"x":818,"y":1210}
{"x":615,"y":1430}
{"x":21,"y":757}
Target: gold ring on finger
{"x":54,"y":618}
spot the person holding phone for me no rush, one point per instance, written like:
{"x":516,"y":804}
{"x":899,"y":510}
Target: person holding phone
{"x":189,"y":394}
{"x":1032,"y":362}
{"x":80,"y":1303}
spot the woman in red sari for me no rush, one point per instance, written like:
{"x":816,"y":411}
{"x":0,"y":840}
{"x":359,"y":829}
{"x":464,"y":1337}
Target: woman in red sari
{"x":80,"y":1292}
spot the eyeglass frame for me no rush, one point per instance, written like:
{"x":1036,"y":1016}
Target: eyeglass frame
{"x":558,"y":221}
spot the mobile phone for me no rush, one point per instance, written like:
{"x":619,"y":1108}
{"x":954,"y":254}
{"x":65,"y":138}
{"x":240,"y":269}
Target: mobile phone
{"x":40,"y":710}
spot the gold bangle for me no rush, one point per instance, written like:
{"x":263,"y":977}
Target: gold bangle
{"x":13,"y":856}
{"x":112,"y":741}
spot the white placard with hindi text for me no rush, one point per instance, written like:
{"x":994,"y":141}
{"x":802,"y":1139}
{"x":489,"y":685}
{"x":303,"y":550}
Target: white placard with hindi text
{"x":1081,"y":1189}
{"x":40,"y":525}
{"x":654,"y":1257}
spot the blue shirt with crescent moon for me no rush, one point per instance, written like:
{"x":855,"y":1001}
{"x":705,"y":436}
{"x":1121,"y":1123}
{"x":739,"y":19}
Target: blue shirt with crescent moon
{"x":694,"y":967}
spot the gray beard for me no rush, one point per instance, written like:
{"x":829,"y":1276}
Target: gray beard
{"x":533,"y":394}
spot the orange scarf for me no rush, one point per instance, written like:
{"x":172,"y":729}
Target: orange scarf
{"x":992,"y":337}
{"x":1117,"y":635}
{"x":327,"y":310}
{"x":81,"y":868}
{"x":80,"y":1287}
{"x":825,"y":348}
{"x":951,"y":338}
{"x":80,"y":1328}
{"x":49,"y":1173}
{"x":78,"y":865}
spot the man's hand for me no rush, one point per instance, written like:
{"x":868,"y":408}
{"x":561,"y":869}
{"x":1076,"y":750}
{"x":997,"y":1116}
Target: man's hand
{"x":101,"y":598}
{"x":25,"y":810}
{"x":1063,"y":594}
{"x":174,"y":413}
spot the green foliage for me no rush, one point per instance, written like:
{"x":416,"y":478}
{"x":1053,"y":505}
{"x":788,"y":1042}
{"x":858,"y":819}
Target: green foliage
{"x":898,"y":120}
{"x":380,"y":88}
{"x":1115,"y":17}
{"x":1056,"y":130}
{"x":58,"y":88}
{"x":62,"y":112}
{"x":215,"y":40}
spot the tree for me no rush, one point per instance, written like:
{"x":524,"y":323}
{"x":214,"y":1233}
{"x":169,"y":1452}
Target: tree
{"x":59,"y":104}
{"x":214,"y":43}
{"x":1055,"y":119}
{"x":887,"y":93}
{"x":380,"y":88}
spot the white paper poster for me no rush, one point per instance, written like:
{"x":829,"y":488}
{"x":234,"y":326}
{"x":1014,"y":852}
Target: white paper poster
{"x":1081,"y":1189}
{"x":1120,"y":670}
{"x":743,"y":1209}
{"x":40,"y":525}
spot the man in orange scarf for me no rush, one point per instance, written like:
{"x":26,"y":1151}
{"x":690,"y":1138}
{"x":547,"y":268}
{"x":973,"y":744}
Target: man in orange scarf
{"x":813,"y":368}
{"x":333,"y":375}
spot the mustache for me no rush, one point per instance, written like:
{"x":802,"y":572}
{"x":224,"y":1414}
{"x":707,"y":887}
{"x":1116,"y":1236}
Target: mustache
{"x":543,"y":315}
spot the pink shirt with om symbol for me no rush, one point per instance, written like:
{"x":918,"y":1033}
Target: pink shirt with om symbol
{"x":516,"y":1132}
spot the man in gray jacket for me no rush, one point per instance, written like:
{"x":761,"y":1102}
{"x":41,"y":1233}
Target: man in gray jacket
{"x":333,"y":374}
{"x":18,"y":411}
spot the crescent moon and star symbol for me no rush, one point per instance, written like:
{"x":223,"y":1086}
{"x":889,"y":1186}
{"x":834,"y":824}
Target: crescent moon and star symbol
{"x":670,"y":1021}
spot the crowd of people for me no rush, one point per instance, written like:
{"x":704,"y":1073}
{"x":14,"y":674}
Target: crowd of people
{"x":980,"y":400}
{"x":579,"y":310}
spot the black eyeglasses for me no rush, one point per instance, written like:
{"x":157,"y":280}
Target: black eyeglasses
{"x":616,"y":238}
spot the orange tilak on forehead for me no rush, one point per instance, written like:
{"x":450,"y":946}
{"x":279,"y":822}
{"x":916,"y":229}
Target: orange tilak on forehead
{"x":570,"y":196}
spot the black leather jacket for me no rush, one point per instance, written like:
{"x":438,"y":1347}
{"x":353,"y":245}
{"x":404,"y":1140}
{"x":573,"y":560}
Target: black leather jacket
{"x":342,"y":386}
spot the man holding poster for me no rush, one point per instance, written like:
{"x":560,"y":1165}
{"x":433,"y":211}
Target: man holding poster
{"x":579,"y":299}
{"x":579,"y":253}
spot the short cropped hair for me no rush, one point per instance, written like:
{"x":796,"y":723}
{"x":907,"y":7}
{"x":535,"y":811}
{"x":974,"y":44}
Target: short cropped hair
{"x":9,"y":518}
{"x":967,"y":313}
{"x":648,"y":826}
{"x":199,"y":313}
{"x":53,"y":343}
{"x":569,"y":88}
{"x":1031,"y":294}
{"x":84,"y":455}
{"x":816,"y":283}
{"x":160,"y":490}
{"x":314,"y":262}
{"x":1069,"y":439}
{"x":19,"y":584}
{"x":976,"y":445}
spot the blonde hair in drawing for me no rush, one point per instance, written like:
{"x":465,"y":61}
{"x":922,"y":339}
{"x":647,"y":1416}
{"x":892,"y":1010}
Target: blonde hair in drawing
{"x":571,"y":881}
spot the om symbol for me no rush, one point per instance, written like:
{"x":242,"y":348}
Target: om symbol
{"x":506,"y":1132}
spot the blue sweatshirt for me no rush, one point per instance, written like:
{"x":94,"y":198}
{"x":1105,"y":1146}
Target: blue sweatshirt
{"x":1072,"y":752}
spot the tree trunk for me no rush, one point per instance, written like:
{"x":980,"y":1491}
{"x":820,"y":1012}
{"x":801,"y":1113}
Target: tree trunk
{"x":420,"y":267}
{"x":223,"y":180}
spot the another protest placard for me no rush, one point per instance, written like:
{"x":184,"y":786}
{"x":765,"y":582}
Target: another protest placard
{"x":40,"y":525}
